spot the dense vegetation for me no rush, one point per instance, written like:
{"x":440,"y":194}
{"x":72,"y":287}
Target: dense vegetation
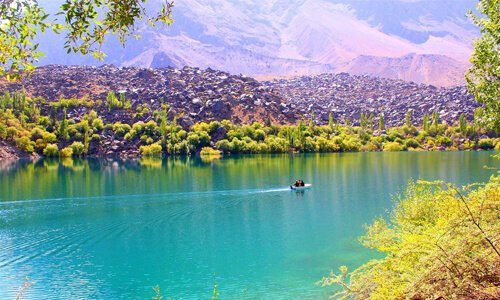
{"x":441,"y":242}
{"x":483,"y":78}
{"x":54,"y":134}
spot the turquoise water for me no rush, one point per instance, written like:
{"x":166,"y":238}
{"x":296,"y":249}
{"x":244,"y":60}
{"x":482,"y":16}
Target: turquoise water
{"x":105,"y":229}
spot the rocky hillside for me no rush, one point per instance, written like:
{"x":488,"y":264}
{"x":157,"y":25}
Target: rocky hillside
{"x":191,"y":93}
{"x":346,"y":97}
{"x":205,"y":95}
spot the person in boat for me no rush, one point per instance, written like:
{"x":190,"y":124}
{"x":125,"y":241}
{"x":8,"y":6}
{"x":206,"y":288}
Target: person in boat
{"x":302,"y":183}
{"x":297,"y":183}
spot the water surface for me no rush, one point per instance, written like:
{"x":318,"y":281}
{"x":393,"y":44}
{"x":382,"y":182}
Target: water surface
{"x":105,"y":229}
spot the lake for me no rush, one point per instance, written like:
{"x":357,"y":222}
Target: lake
{"x":111,"y":229}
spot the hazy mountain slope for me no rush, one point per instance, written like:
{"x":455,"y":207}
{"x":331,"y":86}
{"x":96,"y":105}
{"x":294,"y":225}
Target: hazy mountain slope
{"x":438,"y":69}
{"x":294,"y":37}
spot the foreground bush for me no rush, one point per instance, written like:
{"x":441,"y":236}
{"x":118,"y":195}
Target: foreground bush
{"x":439,"y":243}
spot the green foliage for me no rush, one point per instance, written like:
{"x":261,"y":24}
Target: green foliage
{"x":435,"y":121}
{"x":440,"y":242}
{"x":381,"y":122}
{"x":462,"y":124}
{"x":121,"y":129}
{"x":151,"y":150}
{"x":412,"y":143}
{"x":207,"y":151}
{"x":486,"y":144}
{"x":393,"y":146}
{"x":25,"y":144}
{"x":63,"y":127}
{"x":483,"y":78}
{"x":51,"y":150}
{"x":86,"y":24}
{"x":97,"y":125}
{"x":11,"y":132}
{"x":408,"y":118}
{"x":77,"y":148}
{"x":66,"y":152}
{"x":426,"y":123}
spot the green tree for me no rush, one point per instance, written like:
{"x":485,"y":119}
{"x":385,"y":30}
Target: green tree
{"x":408,"y":118}
{"x":426,"y":123}
{"x":483,"y":78}
{"x":86,"y":25}
{"x":435,"y":120}
{"x":63,"y":127}
{"x":462,"y":122}
{"x":330,"y":121}
{"x":311,"y":122}
{"x":381,"y":122}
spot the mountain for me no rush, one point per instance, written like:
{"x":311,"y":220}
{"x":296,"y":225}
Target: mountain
{"x":417,"y":40}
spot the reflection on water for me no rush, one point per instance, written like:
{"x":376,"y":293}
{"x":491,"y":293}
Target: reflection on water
{"x":107,"y":229}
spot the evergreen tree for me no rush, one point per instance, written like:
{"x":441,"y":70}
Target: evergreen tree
{"x":435,"y":120}
{"x":381,"y":122}
{"x":408,"y":118}
{"x":426,"y":122}
{"x":462,"y":124}
{"x":63,"y":127}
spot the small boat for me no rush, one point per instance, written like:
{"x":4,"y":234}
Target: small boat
{"x":306,"y":186}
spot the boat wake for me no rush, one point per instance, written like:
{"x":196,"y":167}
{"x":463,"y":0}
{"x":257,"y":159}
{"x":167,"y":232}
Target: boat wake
{"x":174,"y":195}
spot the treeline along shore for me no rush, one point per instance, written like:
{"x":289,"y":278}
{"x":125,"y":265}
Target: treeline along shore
{"x":234,"y":114}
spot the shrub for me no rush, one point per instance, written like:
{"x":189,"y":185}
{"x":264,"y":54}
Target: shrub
{"x":98,"y":124}
{"x":259,"y":135}
{"x":3,"y":131}
{"x":11,"y":132}
{"x":49,"y":137}
{"x":77,"y":148}
{"x":393,"y":146}
{"x":36,"y":133}
{"x":44,"y":121}
{"x":40,"y":144}
{"x":207,"y":151}
{"x":66,"y":152}
{"x":439,"y":241}
{"x":51,"y":150}
{"x":224,"y":145}
{"x":121,"y":129}
{"x":444,"y":140}
{"x":25,"y":144}
{"x":412,"y":143}
{"x":370,"y":146}
{"x":151,"y":150}
{"x":486,"y":144}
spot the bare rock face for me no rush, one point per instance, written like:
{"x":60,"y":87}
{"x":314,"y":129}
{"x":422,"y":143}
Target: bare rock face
{"x":9,"y":152}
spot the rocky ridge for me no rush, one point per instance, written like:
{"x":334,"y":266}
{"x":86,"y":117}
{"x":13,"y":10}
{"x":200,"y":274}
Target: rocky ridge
{"x":195,"y":95}
{"x":346,"y":97}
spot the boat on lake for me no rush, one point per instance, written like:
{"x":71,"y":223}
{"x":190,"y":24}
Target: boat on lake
{"x":303,"y":187}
